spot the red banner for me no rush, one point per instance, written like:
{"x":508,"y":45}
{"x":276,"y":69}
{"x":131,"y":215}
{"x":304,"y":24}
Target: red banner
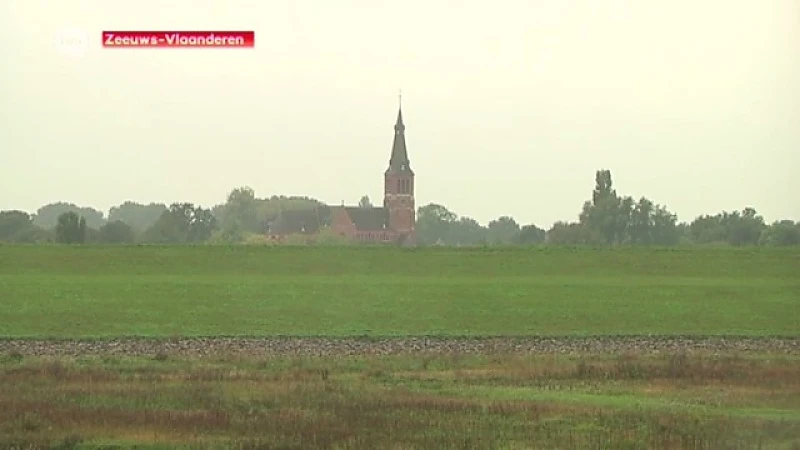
{"x":180,"y":39}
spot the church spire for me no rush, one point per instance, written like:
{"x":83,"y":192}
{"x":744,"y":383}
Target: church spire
{"x":399,"y":160}
{"x":399,"y":125}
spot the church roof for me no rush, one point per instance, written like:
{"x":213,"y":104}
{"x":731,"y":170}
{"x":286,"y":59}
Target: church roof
{"x":368,"y":219}
{"x":399,"y":160}
{"x":305,"y":221}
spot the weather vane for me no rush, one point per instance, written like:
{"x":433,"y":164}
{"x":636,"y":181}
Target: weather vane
{"x":400,"y":97}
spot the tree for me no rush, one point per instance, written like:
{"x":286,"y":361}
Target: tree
{"x":240,"y":214}
{"x":707,"y":230}
{"x":201,"y":225}
{"x":16,"y":226}
{"x":563,"y":233}
{"x":781,"y":233}
{"x":467,"y":231}
{"x":47,"y":216}
{"x":744,"y":228}
{"x":603,"y":187}
{"x":665,"y":230}
{"x":625,"y":218}
{"x":606,"y":213}
{"x":503,"y":231}
{"x":619,"y":220}
{"x":642,"y":222}
{"x":434,"y":223}
{"x":735,"y":228}
{"x":652,"y":224}
{"x":365,"y":202}
{"x":138,"y":216}
{"x":182,"y":223}
{"x":115,"y":232}
{"x":683,"y":233}
{"x":266,"y":210}
{"x":70,"y":229}
{"x":530,"y":235}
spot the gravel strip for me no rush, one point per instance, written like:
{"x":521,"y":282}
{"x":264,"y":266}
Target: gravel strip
{"x":300,"y":346}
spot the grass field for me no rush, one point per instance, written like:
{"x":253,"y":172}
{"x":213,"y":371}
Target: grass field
{"x":505,"y":402}
{"x":103,"y":292}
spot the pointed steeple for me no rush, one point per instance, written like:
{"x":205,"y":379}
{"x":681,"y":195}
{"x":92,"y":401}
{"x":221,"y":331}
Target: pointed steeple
{"x":399,"y":126}
{"x":399,"y":160}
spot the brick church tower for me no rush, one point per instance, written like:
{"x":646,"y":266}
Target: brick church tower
{"x":398,"y":198}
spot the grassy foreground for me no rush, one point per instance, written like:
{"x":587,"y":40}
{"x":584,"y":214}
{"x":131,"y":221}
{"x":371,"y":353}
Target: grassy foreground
{"x":446,"y":402}
{"x":90,"y":292}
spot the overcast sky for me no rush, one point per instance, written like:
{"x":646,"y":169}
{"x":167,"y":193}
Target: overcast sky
{"x":510,"y":106}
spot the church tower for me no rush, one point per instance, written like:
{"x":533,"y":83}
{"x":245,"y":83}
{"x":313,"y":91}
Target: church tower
{"x":398,"y":188}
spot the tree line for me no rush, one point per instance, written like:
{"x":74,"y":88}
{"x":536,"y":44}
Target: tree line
{"x":607,"y":218}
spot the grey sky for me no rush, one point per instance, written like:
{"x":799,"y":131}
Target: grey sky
{"x":510,"y":106}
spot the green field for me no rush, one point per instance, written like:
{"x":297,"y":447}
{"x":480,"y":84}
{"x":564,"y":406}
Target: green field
{"x":682,"y":399}
{"x":92,"y":291}
{"x":509,"y":402}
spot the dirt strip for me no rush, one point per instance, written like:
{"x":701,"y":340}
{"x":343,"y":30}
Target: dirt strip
{"x":301,"y":346}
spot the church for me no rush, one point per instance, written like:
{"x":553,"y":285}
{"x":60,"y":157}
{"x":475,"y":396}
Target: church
{"x":393,"y":223}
